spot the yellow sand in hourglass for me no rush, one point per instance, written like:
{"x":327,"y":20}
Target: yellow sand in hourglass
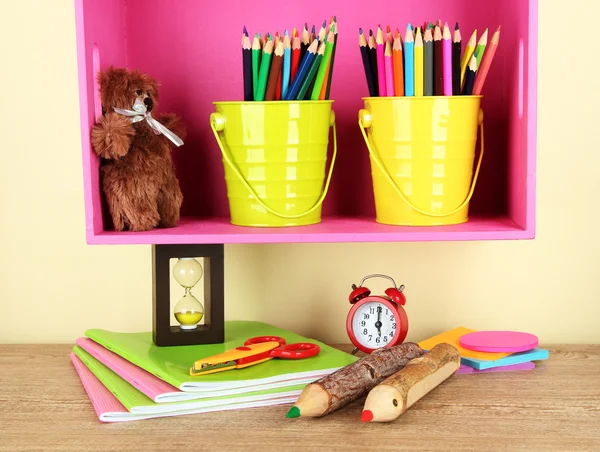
{"x":188,"y":311}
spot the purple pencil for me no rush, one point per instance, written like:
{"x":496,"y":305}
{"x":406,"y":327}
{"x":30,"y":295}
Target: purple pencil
{"x":381,"y":62}
{"x":447,"y":46}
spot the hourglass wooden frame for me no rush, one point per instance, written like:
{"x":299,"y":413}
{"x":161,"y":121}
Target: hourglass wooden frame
{"x":213,"y":329}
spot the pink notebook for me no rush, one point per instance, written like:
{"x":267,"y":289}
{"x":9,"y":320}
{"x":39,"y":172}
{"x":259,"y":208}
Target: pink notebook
{"x":158,"y":390}
{"x":109,"y":409}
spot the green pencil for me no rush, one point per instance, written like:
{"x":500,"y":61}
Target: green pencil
{"x":311,"y":73}
{"x":255,"y":62}
{"x":428,"y":44}
{"x":265,"y":66}
{"x":334,"y":28}
{"x":481,"y":45}
{"x":323,"y":66}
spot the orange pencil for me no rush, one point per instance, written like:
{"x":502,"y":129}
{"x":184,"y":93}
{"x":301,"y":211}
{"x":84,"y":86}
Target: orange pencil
{"x":398,"y":66}
{"x":486,"y":62}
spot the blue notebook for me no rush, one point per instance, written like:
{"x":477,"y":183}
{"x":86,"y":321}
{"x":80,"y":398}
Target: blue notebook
{"x":536,"y":354}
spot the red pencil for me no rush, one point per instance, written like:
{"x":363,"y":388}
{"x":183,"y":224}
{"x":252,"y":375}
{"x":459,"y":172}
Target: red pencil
{"x":295,"y":57}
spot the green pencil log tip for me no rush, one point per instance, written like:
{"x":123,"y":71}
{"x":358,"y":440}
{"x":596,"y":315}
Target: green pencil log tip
{"x":294,"y":412}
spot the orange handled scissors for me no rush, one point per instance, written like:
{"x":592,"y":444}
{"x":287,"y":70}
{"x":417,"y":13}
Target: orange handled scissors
{"x":255,"y":350}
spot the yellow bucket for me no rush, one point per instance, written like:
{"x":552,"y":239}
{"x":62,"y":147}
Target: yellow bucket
{"x":275,"y":157}
{"x":421,"y":152}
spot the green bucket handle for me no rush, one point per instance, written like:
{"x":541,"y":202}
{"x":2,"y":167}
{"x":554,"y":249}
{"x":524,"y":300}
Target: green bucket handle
{"x":364,"y":122}
{"x":217,"y":123}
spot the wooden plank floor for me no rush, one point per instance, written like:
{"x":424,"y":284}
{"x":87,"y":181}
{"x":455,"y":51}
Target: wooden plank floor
{"x":556,"y":407}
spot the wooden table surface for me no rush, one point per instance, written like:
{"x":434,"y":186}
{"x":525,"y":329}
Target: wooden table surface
{"x":556,"y":407}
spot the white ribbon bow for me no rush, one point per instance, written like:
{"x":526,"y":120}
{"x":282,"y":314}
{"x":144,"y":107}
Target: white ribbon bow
{"x":139,"y":113}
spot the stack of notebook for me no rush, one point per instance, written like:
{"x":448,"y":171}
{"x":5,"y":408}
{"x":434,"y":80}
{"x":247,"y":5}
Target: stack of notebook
{"x":478,"y":362}
{"x":128,"y":378}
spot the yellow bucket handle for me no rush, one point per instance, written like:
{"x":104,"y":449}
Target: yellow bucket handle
{"x":364,"y":115}
{"x":217,"y":123}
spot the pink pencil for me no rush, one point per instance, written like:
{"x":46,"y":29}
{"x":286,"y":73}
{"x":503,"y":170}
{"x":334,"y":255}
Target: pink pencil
{"x":389,"y":69}
{"x":447,"y":46}
{"x":380,"y":62}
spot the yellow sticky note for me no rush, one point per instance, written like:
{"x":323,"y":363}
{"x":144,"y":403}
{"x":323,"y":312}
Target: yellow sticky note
{"x":451,"y":337}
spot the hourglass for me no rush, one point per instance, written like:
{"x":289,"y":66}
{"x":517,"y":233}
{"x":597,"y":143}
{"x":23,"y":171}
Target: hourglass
{"x":198,"y":269}
{"x":188,"y":311}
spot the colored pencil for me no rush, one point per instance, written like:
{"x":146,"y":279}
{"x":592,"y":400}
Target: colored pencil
{"x":481,"y":45}
{"x":447,"y":60}
{"x":470,"y":76}
{"x":303,"y":69}
{"x":256,"y":51}
{"x":331,"y":63}
{"x":409,"y":62}
{"x":247,"y":65}
{"x":323,"y":67}
{"x":428,"y":90}
{"x":295,"y":58}
{"x":486,"y":62}
{"x":380,"y":62}
{"x":389,"y":70}
{"x":287,"y":65}
{"x":312,"y":72}
{"x":275,"y":71}
{"x":364,"y":52}
{"x":305,"y":42}
{"x":373,"y":60}
{"x":419,"y":73}
{"x":398,"y":66}
{"x":468,"y":53}
{"x":456,"y":53}
{"x":322,"y":31}
{"x":265,"y":66}
{"x":438,"y":62}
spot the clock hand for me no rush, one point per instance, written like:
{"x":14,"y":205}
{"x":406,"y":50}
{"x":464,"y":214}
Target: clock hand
{"x":378,"y":323}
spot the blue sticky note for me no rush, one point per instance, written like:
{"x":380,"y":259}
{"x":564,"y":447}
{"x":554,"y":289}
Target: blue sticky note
{"x":536,"y":354}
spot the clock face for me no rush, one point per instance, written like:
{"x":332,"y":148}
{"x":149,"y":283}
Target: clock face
{"x":374,"y":324}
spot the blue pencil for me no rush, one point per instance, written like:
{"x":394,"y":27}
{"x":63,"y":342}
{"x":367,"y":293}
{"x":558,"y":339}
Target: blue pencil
{"x":409,"y":62}
{"x":302,"y":71}
{"x":287,"y":59}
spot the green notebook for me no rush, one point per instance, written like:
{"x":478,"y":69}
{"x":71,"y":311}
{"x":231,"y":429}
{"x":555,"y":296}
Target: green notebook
{"x":172,"y":364}
{"x":137,"y":403}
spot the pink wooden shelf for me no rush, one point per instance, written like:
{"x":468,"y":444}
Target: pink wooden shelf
{"x":193,"y":48}
{"x":219,"y":230}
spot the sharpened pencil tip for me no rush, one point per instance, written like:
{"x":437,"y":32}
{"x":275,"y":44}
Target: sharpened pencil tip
{"x":294,"y":412}
{"x":360,"y":31}
{"x":456,"y":26}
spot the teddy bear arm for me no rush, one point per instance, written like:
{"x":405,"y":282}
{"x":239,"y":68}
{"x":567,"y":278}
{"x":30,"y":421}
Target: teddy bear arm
{"x":112,"y":136}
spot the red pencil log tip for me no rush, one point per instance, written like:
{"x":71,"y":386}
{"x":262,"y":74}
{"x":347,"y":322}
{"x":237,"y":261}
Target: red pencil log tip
{"x":366,"y":416}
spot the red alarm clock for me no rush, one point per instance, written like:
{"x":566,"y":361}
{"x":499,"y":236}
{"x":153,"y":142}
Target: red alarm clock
{"x":376,"y":321}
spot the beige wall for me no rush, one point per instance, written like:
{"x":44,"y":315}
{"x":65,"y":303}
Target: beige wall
{"x":48,"y":275}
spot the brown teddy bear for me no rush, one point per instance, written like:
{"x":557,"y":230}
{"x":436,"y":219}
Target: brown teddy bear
{"x":137,"y":171}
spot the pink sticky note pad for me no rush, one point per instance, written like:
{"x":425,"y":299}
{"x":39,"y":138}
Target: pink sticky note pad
{"x":499,"y":341}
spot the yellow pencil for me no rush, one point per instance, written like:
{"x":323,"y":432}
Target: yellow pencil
{"x":419,"y":82}
{"x":467,"y":56}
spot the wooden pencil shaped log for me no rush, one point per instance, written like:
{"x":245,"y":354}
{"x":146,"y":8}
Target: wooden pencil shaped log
{"x":393,"y":396}
{"x":352,"y":381}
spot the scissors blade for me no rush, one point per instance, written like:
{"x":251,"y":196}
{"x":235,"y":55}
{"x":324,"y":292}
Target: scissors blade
{"x":206,"y":368}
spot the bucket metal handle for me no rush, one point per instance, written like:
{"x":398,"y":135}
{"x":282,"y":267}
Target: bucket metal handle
{"x":217,"y":123}
{"x":364,"y":120}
